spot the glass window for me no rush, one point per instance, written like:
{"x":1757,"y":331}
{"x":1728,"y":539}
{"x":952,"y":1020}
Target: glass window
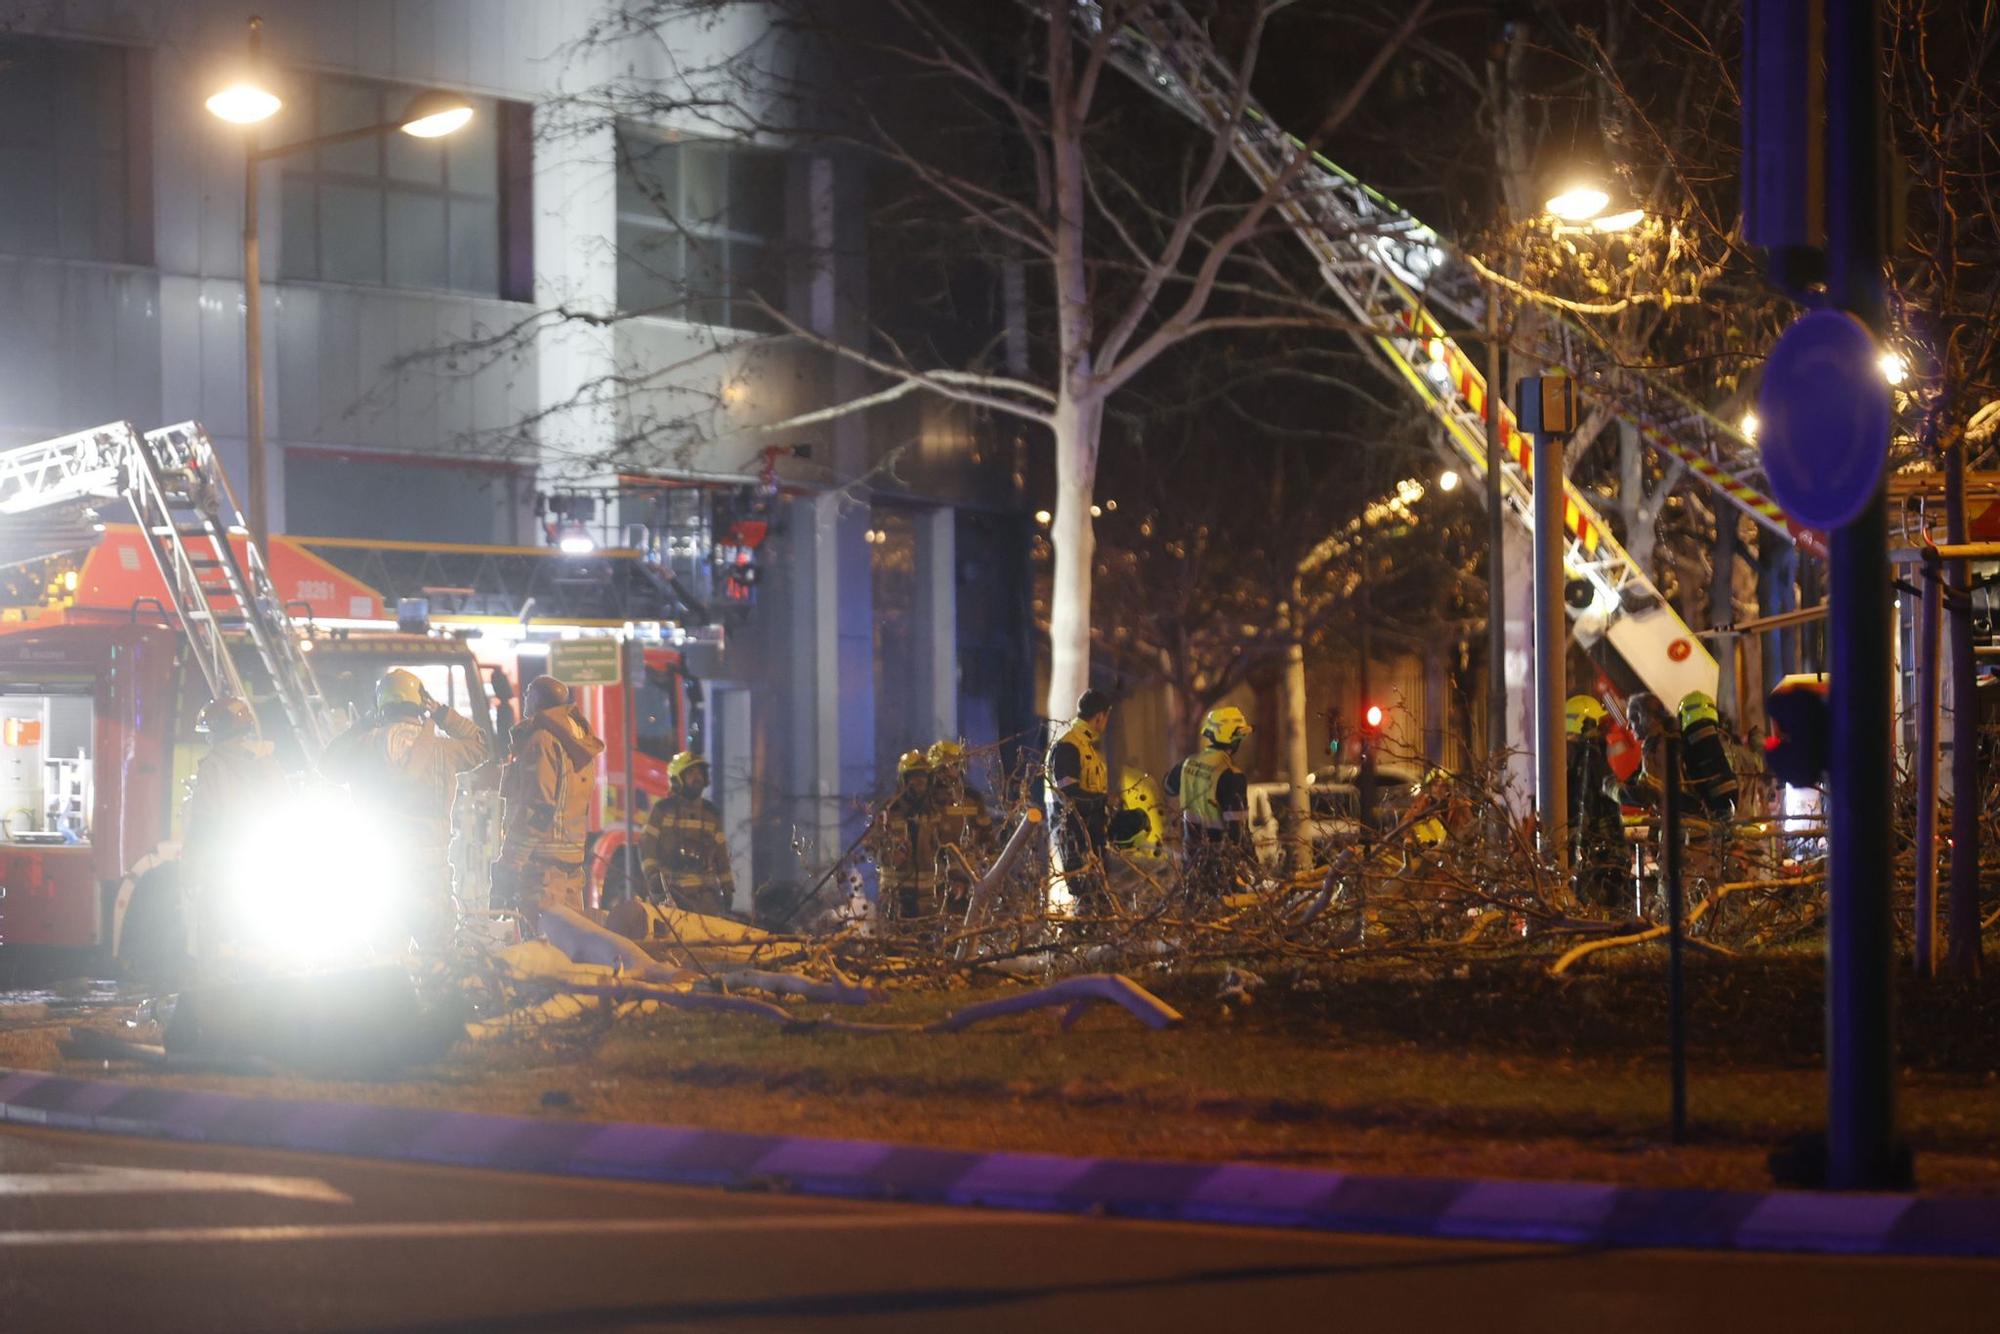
{"x":657,"y":721}
{"x":391,"y":210}
{"x":47,"y":773}
{"x":701,"y":229}
{"x":69,"y":177}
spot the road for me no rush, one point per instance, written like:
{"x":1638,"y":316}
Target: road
{"x":108,"y":1234}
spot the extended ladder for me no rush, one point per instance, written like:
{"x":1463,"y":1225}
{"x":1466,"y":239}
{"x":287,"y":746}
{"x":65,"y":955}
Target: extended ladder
{"x":181,"y":498}
{"x":1383,"y":263}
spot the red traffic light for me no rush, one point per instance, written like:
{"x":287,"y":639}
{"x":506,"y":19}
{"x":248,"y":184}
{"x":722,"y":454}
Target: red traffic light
{"x":1373,"y":717}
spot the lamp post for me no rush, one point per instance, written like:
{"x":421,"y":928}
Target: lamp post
{"x":247,"y":100}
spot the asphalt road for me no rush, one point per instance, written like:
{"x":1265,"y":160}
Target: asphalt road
{"x":105,"y":1234}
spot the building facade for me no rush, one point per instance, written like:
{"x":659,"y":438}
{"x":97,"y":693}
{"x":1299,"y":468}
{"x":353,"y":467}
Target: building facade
{"x":556,"y":300}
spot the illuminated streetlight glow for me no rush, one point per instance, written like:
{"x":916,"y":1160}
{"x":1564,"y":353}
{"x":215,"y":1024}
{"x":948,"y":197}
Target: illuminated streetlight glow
{"x":435,"y":114}
{"x":1750,"y":425}
{"x":1448,"y":480}
{"x":1895,"y":369}
{"x":1579,"y":203}
{"x":1619,"y":222}
{"x":244,"y":104}
{"x":1042,"y":517}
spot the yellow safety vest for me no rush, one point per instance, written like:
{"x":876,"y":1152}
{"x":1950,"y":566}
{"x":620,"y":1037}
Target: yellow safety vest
{"x":1201,"y":775}
{"x":1095,"y":777}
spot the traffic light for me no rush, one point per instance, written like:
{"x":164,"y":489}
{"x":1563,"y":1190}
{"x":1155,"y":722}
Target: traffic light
{"x":1796,"y":748}
{"x":1333,"y":733}
{"x":1371,"y":725}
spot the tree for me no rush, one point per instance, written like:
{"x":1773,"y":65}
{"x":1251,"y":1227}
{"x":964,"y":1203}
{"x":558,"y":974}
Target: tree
{"x":1009,"y":133}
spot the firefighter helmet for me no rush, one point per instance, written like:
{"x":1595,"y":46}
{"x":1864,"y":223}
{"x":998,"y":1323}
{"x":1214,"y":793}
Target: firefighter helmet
{"x":1582,"y":711}
{"x":399,"y":689}
{"x":946,"y":755}
{"x":1698,"y":706}
{"x":227,"y":717}
{"x":683,"y":762}
{"x":1226,"y":727}
{"x":913,"y":762}
{"x":544,"y":692}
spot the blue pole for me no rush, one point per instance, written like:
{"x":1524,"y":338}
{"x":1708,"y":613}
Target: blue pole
{"x":1860,"y":1042}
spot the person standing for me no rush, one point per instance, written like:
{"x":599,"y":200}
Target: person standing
{"x":547,"y":788}
{"x":683,"y":851}
{"x":905,"y":840}
{"x":1079,"y":799}
{"x":234,"y":786}
{"x":402,"y":763}
{"x":1214,"y":796}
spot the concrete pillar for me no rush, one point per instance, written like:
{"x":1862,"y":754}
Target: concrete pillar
{"x":1520,"y":664}
{"x":575,"y":191}
{"x":937,"y":620}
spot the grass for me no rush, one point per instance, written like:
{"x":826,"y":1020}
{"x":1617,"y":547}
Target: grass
{"x":1494,"y":1071}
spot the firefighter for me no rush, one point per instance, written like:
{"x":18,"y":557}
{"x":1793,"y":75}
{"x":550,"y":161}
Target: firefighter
{"x":403,"y":761}
{"x":683,"y":851}
{"x":1214,"y":796}
{"x":1704,"y":759}
{"x":232,"y":784}
{"x":965,"y":816}
{"x":546,"y":791}
{"x":1080,"y":800}
{"x":905,"y":839}
{"x":1596,"y":826}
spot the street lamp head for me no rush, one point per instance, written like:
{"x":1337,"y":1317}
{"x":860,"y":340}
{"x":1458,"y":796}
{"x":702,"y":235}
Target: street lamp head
{"x":245,"y":102}
{"x":1448,"y":480}
{"x":1623,"y":221}
{"x":1578,"y":203}
{"x":434,"y":114}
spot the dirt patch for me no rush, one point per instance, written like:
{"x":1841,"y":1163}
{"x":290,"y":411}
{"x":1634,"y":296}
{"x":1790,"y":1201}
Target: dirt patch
{"x":1487,"y":1071}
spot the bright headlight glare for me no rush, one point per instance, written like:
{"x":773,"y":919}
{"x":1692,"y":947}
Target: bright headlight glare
{"x":312,"y":880}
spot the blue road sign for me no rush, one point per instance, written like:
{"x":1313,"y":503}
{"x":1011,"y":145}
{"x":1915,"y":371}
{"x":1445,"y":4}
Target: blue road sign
{"x":1824,"y":419}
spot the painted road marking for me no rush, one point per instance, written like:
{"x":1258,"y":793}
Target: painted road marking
{"x":93,"y":1179}
{"x":469,"y":1229}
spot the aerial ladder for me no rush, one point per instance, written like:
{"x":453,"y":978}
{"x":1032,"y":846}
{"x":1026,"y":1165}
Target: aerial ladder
{"x":1387,"y":268}
{"x":214,"y":573}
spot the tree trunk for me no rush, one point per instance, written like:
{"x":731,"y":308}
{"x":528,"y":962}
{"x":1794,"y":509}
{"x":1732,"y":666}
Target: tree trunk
{"x":1076,"y":426}
{"x":1298,"y":750}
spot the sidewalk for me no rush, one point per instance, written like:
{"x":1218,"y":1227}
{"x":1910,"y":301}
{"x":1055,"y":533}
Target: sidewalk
{"x":1236,"y":1193}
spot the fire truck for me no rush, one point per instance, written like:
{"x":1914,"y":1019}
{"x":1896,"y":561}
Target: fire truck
{"x":107,"y":655}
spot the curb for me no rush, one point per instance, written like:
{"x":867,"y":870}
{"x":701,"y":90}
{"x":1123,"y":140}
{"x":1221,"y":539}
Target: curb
{"x":1459,"y":1209}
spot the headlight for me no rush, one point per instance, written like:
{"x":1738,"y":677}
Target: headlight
{"x":310,"y":880}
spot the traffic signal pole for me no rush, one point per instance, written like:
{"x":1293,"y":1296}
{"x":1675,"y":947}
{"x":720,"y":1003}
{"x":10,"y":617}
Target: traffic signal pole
{"x":1860,"y":1045}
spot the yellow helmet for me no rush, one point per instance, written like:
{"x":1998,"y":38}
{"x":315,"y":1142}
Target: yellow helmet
{"x":1581,"y":711}
{"x":913,"y":762}
{"x":1698,"y":706}
{"x":944,"y":755}
{"x":1226,"y":726}
{"x":683,"y":762}
{"x":398,"y":687}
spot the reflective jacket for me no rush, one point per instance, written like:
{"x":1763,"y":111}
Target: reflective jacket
{"x":1079,"y":781}
{"x":547,"y":789}
{"x":684,"y":845}
{"x":905,"y":841}
{"x":233,"y":783}
{"x":1214,"y":796}
{"x":407,"y":768}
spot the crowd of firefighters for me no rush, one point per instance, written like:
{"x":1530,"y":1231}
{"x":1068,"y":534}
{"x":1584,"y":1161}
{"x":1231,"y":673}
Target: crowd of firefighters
{"x":407,"y":762}
{"x":406,"y":765}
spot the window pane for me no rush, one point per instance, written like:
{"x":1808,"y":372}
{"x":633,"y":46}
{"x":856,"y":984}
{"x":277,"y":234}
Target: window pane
{"x":28,"y":210}
{"x":475,"y":246}
{"x":298,"y":245}
{"x":650,"y":270}
{"x":707,"y":289}
{"x":472,"y":155}
{"x":64,"y":174}
{"x":351,"y":234}
{"x":417,"y":161}
{"x":416,"y":241}
{"x":46,"y":771}
{"x":704,"y":168}
{"x":345,"y":104}
{"x":757,"y":193}
{"x":755,"y":271}
{"x":648,"y":175}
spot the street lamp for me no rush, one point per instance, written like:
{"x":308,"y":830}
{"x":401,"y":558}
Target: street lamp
{"x":1583,"y":205}
{"x":247,"y":100}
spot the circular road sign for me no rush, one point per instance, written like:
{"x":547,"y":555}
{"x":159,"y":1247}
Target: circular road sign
{"x":1824,"y":412}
